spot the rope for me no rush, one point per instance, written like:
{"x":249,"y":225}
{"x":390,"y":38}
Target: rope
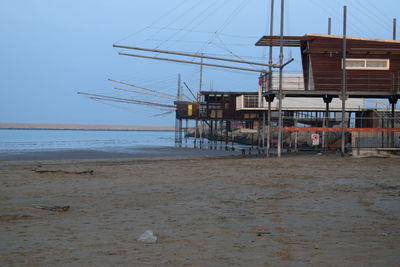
{"x":154,"y":22}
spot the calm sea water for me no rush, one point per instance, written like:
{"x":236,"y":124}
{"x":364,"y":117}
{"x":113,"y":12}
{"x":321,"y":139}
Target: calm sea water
{"x":50,"y":140}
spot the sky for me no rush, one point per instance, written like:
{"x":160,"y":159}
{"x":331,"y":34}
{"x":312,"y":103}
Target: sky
{"x":52,"y":49}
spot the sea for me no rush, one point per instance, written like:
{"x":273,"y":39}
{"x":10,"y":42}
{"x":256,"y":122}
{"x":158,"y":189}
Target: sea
{"x":30,"y":144}
{"x":21,"y":140}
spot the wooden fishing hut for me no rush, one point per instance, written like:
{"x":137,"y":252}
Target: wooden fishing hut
{"x":351,"y":68}
{"x":372,"y":66}
{"x":215,"y":111}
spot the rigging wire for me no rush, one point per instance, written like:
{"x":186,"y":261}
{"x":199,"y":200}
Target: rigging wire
{"x":163,"y":114}
{"x":206,"y":32}
{"x":333,"y":12}
{"x":198,"y":42}
{"x":127,"y":101}
{"x":143,"y":93}
{"x":226,"y":22}
{"x":376,"y":8}
{"x":362,"y":14}
{"x":112,"y":105}
{"x":154,"y":22}
{"x":215,"y":10}
{"x":372,"y":15}
{"x":143,"y":88}
{"x":177,"y":18}
{"x":224,"y":46}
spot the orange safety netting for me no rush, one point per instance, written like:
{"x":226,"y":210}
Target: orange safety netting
{"x":330,"y":129}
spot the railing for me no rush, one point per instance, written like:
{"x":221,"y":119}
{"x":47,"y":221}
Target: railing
{"x":290,"y":82}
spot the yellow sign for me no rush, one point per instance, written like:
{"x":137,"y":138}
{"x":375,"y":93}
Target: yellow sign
{"x":190,"y":110}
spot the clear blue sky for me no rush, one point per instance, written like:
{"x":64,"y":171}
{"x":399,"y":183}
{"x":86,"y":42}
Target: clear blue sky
{"x":50,"y":49}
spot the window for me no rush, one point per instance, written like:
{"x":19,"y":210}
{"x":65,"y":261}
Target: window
{"x":351,"y":64}
{"x":367,"y":64}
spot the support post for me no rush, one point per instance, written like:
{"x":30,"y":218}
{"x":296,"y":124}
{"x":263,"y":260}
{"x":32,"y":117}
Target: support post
{"x":201,"y":73}
{"x":327,"y":100}
{"x":344,"y":80}
{"x":259,"y":131}
{"x":269,"y":97}
{"x":196,"y":131}
{"x":176,"y":129}
{"x":186,"y":131}
{"x":180,"y":132}
{"x":263,"y":131}
{"x":217,"y":135}
{"x":296,"y":134}
{"x":178,"y":121}
{"x":261,"y":91}
{"x":201,"y":133}
{"x":394,"y":29}
{"x":211,"y":134}
{"x":221,"y":125}
{"x":271,"y":32}
{"x":280,"y":81}
{"x":226,"y":134}
{"x":329,"y":26}
{"x":393,"y":102}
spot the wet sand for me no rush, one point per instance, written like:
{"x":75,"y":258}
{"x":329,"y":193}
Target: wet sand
{"x":113,"y":153}
{"x":294,"y":211}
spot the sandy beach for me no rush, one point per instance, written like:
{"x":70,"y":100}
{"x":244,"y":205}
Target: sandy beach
{"x":110,"y":153}
{"x":294,"y":211}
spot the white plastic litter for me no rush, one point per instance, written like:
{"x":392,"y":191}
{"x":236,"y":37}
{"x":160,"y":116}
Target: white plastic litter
{"x":148,"y":237}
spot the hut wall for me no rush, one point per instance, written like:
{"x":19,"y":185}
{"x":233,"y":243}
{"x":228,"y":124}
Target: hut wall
{"x":326,"y":58}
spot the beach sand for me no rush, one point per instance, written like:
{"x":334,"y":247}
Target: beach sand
{"x":293,"y":211}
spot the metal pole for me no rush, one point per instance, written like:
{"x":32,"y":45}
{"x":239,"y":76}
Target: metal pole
{"x":263,"y":130}
{"x":201,"y":73}
{"x":211,"y":134}
{"x":179,"y":87}
{"x":296,"y":134}
{"x":344,"y":79}
{"x":191,"y":62}
{"x":226,"y":135}
{"x":329,"y":26}
{"x":393,"y":101}
{"x":176,"y":128}
{"x":186,"y":132}
{"x":280,"y":81}
{"x":324,"y":126}
{"x":196,"y":131}
{"x":179,"y":98}
{"x":201,"y":133}
{"x":188,"y":55}
{"x":180,"y":132}
{"x":393,"y":117}
{"x":271,"y":32}
{"x":326,"y":122}
{"x":394,"y":29}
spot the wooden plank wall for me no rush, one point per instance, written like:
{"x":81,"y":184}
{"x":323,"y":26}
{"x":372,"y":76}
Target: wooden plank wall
{"x":326,"y":57}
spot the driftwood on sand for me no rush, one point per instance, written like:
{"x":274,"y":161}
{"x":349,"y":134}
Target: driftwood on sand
{"x":63,"y":171}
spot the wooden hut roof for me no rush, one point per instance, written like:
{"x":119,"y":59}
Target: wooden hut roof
{"x":295,"y":41}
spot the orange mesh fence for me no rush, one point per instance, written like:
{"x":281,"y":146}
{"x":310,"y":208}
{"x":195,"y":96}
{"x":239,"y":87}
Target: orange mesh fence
{"x":330,"y":129}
